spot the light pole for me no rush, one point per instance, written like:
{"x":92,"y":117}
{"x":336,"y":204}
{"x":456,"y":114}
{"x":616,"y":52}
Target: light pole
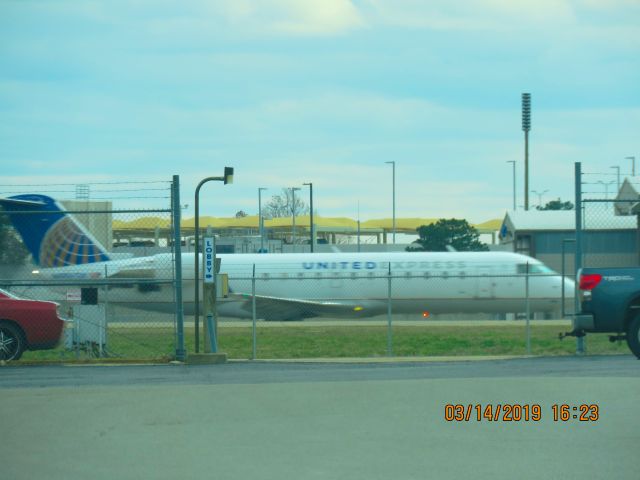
{"x":226,"y":178}
{"x":311,"y":227}
{"x":539,"y":196}
{"x":358,"y":225}
{"x":260,"y":220}
{"x":514,"y":182}
{"x":606,"y":188}
{"x":617,"y":168}
{"x":526,"y":126}
{"x":293,"y":214}
{"x":393,"y":165}
{"x":633,"y":165}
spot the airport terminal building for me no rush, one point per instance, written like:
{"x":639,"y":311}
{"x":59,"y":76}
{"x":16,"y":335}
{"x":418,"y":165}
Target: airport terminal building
{"x":549,"y":236}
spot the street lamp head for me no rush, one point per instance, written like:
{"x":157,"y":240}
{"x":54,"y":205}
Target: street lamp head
{"x":228,"y":175}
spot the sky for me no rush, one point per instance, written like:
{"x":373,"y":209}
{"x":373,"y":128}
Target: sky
{"x":324,"y":91}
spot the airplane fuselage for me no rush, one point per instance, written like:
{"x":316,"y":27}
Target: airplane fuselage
{"x":353,"y":284}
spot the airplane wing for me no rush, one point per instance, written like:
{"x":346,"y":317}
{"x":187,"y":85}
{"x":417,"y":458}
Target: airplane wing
{"x":277,"y":308}
{"x":134,"y":273}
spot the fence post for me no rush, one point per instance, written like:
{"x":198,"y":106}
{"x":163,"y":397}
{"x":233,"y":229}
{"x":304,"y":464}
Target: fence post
{"x":527,"y":309}
{"x":177,"y":253}
{"x":564,"y":275}
{"x":580,"y":343}
{"x":389,"y":329}
{"x":254,"y":350}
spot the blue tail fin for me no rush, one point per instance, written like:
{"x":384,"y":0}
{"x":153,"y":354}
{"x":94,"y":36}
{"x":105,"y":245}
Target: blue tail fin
{"x":54,"y":237}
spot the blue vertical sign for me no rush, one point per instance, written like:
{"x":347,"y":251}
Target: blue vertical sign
{"x":208,"y":260}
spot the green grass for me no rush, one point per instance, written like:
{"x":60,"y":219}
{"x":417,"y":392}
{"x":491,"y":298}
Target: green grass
{"x":147,"y":344}
{"x":407,"y":341}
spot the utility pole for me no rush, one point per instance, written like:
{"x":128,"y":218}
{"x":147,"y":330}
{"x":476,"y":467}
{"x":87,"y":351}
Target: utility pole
{"x":260,"y":220}
{"x":312,"y":232}
{"x":514,"y":183}
{"x":633,"y":165}
{"x":617,"y":168}
{"x":393,"y":164}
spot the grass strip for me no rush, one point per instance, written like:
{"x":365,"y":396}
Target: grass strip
{"x":157,"y":343}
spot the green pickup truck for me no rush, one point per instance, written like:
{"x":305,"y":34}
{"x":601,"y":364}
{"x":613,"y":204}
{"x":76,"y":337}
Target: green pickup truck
{"x":610,"y":303}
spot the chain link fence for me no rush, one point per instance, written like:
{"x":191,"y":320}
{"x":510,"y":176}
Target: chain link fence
{"x":383,"y":312}
{"x":609,"y":238}
{"x":609,"y":232}
{"x":92,"y":256}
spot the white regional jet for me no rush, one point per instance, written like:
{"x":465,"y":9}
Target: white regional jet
{"x":291,"y":286}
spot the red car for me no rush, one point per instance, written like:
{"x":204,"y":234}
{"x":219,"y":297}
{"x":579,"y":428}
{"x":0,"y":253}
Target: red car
{"x":27,"y":325}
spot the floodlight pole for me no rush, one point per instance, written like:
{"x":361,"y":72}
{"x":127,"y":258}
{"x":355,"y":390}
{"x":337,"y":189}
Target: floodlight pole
{"x":227,"y":178}
{"x":514,"y":183}
{"x":393,"y":164}
{"x":526,"y":126}
{"x":311,"y":226}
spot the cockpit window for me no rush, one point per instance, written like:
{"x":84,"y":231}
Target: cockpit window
{"x":535,"y":269}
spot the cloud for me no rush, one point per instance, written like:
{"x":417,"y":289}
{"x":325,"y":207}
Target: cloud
{"x":293,"y":17}
{"x":470,"y":15}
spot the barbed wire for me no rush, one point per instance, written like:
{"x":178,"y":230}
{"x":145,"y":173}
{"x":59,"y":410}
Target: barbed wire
{"x":128,"y":198}
{"x":83,"y":183}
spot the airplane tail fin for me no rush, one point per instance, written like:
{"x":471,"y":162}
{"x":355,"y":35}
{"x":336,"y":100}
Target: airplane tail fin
{"x":54,"y":237}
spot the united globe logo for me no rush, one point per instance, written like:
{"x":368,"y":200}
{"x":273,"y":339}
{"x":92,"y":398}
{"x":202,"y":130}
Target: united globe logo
{"x":66,"y":244}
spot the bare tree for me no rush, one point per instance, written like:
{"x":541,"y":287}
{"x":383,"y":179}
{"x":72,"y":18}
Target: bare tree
{"x":282,"y":205}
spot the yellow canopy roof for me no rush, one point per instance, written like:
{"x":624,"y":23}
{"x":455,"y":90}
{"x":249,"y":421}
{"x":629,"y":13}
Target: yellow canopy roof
{"x":402,"y":224}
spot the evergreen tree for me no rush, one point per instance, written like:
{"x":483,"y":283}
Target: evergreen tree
{"x":557,"y":205}
{"x":444,"y":233}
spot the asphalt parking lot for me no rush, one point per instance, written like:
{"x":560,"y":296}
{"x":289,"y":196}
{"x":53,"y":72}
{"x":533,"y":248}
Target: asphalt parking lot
{"x":325,"y":420}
